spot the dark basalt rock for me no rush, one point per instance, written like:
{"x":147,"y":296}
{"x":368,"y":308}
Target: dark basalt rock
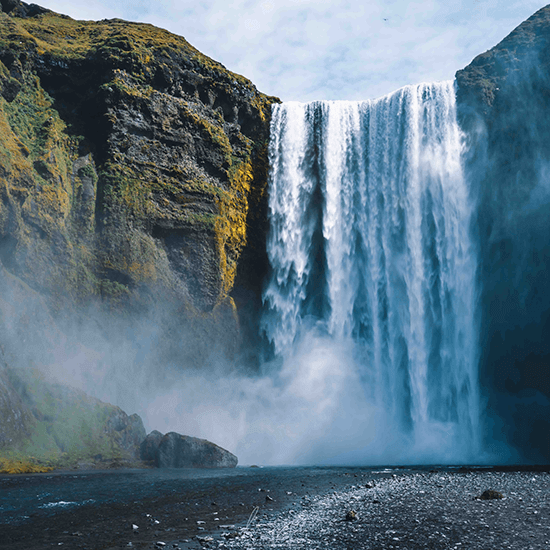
{"x":503,"y":101}
{"x":149,"y":447}
{"x":181,"y":451}
{"x":21,"y":9}
{"x":490,"y":494}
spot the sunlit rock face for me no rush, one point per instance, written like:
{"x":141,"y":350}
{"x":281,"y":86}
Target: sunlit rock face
{"x":132,"y":167}
{"x":503,"y":104}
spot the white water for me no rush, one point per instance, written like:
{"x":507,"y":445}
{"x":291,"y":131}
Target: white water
{"x":373,"y":273}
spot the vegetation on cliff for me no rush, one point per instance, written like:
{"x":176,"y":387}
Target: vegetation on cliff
{"x":133,"y":173}
{"x":134,"y":156}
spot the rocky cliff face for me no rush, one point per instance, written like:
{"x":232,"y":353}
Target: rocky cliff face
{"x":132,"y":202}
{"x":132,"y":166}
{"x":504,"y":105}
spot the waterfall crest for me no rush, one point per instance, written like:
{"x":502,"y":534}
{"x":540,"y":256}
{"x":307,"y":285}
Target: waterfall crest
{"x":370,"y":246}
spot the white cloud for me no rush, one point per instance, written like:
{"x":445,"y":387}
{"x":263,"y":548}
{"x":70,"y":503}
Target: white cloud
{"x":320,"y":49}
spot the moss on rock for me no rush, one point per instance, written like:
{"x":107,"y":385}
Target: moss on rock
{"x":174,"y":142}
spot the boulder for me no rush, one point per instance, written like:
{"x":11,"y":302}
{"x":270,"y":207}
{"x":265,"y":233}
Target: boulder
{"x":174,"y":450}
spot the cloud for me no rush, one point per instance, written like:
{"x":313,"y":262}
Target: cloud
{"x":317,"y":49}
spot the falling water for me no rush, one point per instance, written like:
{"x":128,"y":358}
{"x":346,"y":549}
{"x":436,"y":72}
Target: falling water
{"x":369,"y":246}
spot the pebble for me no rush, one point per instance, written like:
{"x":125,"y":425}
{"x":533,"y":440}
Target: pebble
{"x":351,"y":515}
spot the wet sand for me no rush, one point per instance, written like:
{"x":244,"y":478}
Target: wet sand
{"x":298,"y":508}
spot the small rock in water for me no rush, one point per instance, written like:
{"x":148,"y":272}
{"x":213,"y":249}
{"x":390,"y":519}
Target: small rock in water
{"x":134,"y":527}
{"x":351,"y":515}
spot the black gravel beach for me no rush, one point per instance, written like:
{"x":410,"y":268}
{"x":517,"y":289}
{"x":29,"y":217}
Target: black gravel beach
{"x":294,"y":508}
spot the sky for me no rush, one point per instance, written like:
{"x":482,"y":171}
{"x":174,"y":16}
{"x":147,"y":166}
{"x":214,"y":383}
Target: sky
{"x":304,"y":50}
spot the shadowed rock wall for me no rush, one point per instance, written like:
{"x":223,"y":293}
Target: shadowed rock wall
{"x":504,"y":106}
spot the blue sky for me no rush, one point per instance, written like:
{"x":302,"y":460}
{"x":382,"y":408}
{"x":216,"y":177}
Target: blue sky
{"x":316,"y":49}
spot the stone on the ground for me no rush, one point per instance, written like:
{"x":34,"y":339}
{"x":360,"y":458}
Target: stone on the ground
{"x":489,"y":494}
{"x":351,"y":515}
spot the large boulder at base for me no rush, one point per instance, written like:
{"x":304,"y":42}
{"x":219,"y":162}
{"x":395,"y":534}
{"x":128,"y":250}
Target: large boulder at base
{"x":182,"y":451}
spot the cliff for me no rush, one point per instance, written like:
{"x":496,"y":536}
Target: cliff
{"x":503,"y":99}
{"x":133,"y":171}
{"x":132,"y":166}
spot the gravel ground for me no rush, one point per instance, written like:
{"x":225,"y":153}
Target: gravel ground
{"x":283,"y":508}
{"x":436,"y":510}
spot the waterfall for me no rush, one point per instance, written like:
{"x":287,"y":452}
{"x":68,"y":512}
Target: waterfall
{"x":370,"y":246}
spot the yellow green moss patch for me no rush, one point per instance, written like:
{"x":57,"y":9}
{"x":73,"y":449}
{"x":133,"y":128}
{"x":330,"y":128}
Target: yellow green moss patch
{"x":24,"y":465}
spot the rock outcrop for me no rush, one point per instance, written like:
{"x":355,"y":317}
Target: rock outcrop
{"x":149,"y":446}
{"x":503,"y":100}
{"x":132,"y":167}
{"x":174,"y":450}
{"x":60,"y":426}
